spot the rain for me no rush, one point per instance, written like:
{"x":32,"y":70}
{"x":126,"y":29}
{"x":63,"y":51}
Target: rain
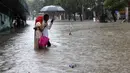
{"x":79,"y":36}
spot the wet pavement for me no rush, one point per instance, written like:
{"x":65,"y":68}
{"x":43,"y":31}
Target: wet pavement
{"x":92,"y":48}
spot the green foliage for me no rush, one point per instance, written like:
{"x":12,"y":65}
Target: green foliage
{"x":71,"y":6}
{"x":115,"y":4}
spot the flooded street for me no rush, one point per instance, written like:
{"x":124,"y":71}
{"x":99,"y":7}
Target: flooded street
{"x":92,"y":47}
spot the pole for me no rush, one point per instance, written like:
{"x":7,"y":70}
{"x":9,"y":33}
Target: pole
{"x":82,"y":13}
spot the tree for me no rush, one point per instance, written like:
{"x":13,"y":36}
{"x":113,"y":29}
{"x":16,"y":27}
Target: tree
{"x":115,"y":4}
{"x":71,"y":6}
{"x":75,"y":6}
{"x":35,"y":5}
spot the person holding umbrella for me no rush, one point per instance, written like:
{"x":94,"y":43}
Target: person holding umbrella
{"x":47,"y":27}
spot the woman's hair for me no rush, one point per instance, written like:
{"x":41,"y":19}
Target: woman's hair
{"x":46,"y":17}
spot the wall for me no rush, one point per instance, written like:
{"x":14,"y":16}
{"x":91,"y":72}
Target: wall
{"x":5,"y":22}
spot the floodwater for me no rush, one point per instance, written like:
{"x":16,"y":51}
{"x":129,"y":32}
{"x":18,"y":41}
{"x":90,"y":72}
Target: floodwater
{"x":92,"y":47}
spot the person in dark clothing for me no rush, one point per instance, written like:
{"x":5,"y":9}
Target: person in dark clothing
{"x":113,"y":15}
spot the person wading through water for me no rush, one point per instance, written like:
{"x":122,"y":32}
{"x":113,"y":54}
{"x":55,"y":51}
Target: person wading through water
{"x":47,"y":27}
{"x":42,"y":22}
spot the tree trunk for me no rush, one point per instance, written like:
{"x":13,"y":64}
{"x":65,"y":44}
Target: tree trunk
{"x":69,"y":17}
{"x":128,"y":11}
{"x":80,"y":17}
{"x":74,"y":17}
{"x":65,"y":15}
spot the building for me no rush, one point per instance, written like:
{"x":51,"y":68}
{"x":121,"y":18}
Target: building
{"x":10,"y":10}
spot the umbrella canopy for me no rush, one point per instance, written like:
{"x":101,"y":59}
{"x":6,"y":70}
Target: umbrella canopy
{"x":52,"y":8}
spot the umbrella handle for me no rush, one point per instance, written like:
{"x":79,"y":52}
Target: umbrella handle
{"x":52,"y":20}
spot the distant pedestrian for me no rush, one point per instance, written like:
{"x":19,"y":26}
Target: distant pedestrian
{"x":113,"y":14}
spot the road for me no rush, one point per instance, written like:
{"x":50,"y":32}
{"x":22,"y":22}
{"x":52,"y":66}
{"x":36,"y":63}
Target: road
{"x":92,"y":47}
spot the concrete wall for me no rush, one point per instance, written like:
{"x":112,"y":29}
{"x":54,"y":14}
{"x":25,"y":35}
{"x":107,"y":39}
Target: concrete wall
{"x":5,"y":22}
